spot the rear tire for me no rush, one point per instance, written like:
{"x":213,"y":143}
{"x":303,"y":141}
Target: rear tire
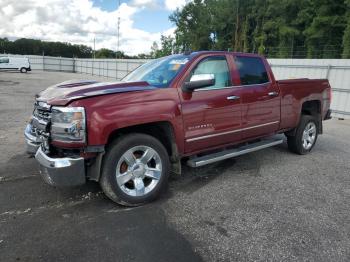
{"x":135,"y":170}
{"x":23,"y":70}
{"x":305,"y":136}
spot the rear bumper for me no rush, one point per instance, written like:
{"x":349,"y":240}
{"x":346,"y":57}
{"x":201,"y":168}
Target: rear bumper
{"x":328,"y":115}
{"x":61,"y":171}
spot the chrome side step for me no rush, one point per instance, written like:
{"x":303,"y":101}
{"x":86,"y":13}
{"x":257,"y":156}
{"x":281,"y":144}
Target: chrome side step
{"x":218,"y":156}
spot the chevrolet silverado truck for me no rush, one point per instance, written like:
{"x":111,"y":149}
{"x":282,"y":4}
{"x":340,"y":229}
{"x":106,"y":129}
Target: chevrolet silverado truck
{"x":202,"y":107}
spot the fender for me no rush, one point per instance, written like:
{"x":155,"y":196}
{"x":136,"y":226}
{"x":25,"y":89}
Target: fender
{"x":106,"y":114}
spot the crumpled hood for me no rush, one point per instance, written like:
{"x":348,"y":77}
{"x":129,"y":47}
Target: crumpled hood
{"x":64,"y":93}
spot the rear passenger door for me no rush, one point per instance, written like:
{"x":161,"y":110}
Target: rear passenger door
{"x":260,"y":97}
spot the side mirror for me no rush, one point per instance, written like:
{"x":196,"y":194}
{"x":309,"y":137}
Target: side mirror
{"x":199,"y":81}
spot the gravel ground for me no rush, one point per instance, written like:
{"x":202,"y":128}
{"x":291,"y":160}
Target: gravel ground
{"x":269,"y":205}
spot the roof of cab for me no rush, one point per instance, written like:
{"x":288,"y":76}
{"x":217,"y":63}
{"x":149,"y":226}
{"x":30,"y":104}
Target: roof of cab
{"x":197,"y":53}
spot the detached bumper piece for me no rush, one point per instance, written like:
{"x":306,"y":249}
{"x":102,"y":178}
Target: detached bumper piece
{"x":328,"y":115}
{"x":61,"y":171}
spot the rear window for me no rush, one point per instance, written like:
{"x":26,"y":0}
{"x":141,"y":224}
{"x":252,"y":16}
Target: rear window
{"x":251,"y":70}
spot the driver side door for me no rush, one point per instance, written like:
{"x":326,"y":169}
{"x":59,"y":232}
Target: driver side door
{"x":211,"y":115}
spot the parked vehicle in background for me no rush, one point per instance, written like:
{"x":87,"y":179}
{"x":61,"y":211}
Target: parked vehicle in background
{"x":21,"y":64}
{"x":202,"y":106}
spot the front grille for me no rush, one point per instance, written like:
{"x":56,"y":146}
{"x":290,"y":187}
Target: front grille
{"x":41,"y":119}
{"x":42,"y":111}
{"x":40,"y":123}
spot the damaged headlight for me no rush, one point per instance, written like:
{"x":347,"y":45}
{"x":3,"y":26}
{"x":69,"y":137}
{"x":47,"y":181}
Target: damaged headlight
{"x":68,"y":124}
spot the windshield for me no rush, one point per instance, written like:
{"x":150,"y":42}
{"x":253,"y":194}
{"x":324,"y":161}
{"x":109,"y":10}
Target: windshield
{"x":159,"y":72}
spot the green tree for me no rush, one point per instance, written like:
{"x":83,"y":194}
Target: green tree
{"x":154,"y":50}
{"x":277,"y":28}
{"x":346,"y":38}
{"x":325,"y":34}
{"x":166,"y":47}
{"x":193,"y":26}
{"x":105,"y":53}
{"x":27,"y":46}
{"x":5,"y":45}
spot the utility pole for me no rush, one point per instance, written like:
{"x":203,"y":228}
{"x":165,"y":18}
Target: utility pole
{"x":94,"y":47}
{"x":118,"y":29}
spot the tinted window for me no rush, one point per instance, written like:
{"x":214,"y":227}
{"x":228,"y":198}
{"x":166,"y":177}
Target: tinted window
{"x":216,"y":66}
{"x":251,"y":70}
{"x":4,"y":60}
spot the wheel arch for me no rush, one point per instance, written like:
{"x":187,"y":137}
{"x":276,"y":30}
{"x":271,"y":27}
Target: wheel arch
{"x":161,"y":130}
{"x":312,"y":108}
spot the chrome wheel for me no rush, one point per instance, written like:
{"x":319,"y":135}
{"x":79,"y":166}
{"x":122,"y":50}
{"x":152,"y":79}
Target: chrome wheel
{"x":309,"y":135}
{"x":139,"y":171}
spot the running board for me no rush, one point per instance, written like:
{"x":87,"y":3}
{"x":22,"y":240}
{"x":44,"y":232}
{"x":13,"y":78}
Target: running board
{"x":215,"y":157}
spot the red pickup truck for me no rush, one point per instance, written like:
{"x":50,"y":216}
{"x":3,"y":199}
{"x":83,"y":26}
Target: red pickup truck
{"x":200,"y":106}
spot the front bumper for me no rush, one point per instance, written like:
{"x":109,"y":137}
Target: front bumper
{"x":32,"y":142}
{"x":61,"y":171}
{"x":55,"y":171}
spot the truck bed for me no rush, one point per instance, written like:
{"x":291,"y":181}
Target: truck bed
{"x":294,"y":92}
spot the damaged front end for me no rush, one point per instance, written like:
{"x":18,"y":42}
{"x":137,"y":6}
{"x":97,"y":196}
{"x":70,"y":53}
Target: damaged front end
{"x":57,"y":167}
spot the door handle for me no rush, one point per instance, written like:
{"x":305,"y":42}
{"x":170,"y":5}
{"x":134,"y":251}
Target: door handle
{"x":233,"y":97}
{"x":273,"y":94}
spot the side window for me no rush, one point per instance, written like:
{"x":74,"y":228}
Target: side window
{"x":216,"y":66}
{"x":4,"y":60}
{"x":251,"y":70}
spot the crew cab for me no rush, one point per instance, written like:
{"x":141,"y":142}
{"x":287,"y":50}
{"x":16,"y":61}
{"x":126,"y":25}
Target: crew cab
{"x":21,"y":64}
{"x":201,"y":107}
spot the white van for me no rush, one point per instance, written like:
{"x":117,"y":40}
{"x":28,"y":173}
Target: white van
{"x":15,"y":63}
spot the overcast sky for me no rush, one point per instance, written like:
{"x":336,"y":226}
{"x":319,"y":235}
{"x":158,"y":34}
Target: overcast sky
{"x":80,"y":21}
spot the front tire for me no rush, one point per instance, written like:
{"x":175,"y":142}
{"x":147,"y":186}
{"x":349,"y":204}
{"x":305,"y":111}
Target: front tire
{"x":135,"y":170}
{"x":305,"y":136}
{"x":23,"y":70}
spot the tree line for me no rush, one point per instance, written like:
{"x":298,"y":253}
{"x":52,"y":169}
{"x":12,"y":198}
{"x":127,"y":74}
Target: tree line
{"x":25,"y":46}
{"x":275,"y":28}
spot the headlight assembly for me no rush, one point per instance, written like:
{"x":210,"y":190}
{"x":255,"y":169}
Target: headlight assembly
{"x":68,"y":124}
